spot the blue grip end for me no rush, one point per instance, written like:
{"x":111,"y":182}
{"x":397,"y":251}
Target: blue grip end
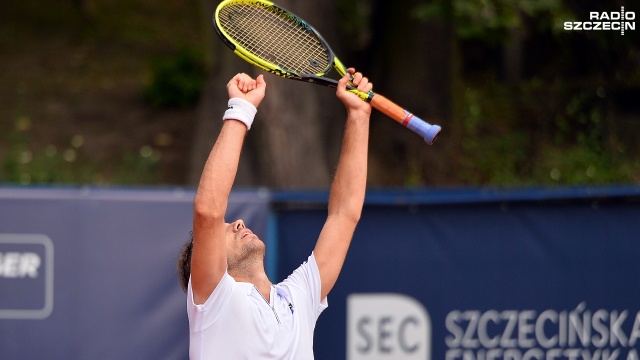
{"x":427,"y":131}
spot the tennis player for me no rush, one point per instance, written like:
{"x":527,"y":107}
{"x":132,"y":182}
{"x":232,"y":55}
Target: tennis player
{"x":234,"y":310}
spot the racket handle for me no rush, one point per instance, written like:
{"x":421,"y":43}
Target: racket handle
{"x":427,"y":131}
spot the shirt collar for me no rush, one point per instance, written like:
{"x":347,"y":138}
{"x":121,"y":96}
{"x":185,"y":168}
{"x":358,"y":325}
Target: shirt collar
{"x":246,"y":287}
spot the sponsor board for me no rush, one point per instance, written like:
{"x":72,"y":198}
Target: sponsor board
{"x":387,"y":326}
{"x":26,"y":276}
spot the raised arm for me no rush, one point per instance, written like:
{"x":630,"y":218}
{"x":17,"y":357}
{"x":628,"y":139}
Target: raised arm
{"x":209,"y":256}
{"x":348,"y":187}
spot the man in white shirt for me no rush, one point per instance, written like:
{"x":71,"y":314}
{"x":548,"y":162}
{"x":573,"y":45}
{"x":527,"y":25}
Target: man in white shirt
{"x":234,"y":310}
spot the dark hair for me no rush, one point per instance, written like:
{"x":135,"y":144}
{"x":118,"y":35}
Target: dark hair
{"x":184,"y":263}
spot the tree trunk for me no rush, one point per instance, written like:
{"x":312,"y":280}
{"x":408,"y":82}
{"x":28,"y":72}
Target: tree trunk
{"x":414,"y":68}
{"x":512,"y":52}
{"x":86,"y":8}
{"x":292,"y":154}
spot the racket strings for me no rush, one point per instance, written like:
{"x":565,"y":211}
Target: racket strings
{"x":275,"y":36}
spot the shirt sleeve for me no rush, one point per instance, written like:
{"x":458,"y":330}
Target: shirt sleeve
{"x":306,"y":278}
{"x":202,"y":316}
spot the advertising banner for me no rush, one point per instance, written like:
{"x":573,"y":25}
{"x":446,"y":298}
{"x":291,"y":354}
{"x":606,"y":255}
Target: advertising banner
{"x":483,"y":276}
{"x":91,"y":273}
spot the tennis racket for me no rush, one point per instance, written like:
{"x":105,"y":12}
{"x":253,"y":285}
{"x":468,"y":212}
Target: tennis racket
{"x":281,"y":43}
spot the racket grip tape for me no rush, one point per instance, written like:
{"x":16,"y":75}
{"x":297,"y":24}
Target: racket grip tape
{"x":427,"y":131}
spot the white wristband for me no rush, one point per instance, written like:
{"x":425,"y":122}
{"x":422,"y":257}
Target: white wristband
{"x":241,"y":110}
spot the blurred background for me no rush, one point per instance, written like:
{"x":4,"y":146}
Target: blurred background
{"x":131,"y":92}
{"x":527,"y":204}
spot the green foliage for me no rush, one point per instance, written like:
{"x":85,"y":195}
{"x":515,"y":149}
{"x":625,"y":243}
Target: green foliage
{"x":490,"y":20}
{"x":571,"y":147}
{"x":582,"y":121}
{"x":177,"y":82}
{"x":355,"y":22}
{"x":138,"y":168}
{"x":26,"y":164}
{"x":495,"y":150}
{"x":581,"y":165}
{"x":559,"y":120}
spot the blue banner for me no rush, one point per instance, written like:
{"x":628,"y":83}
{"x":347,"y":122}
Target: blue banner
{"x":467,"y":274}
{"x":91,"y":273}
{"x":475,"y":275}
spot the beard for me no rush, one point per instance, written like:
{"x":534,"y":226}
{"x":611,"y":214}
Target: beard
{"x":249,"y":256}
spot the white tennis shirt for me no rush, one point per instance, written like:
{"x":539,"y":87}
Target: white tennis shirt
{"x":236,"y":322}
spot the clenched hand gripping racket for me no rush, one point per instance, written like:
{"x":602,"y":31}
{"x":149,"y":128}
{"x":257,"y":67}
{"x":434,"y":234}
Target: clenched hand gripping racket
{"x":281,"y":43}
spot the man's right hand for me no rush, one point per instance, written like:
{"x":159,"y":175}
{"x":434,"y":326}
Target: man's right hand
{"x":244,"y":87}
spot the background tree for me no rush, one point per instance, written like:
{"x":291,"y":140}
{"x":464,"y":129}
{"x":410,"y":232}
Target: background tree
{"x":521,"y":100}
{"x":289,"y":147}
{"x":413,"y":64}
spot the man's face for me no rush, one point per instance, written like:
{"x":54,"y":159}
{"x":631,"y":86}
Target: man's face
{"x":242,"y":243}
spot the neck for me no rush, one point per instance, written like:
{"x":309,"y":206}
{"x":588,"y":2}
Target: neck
{"x":248,"y":267}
